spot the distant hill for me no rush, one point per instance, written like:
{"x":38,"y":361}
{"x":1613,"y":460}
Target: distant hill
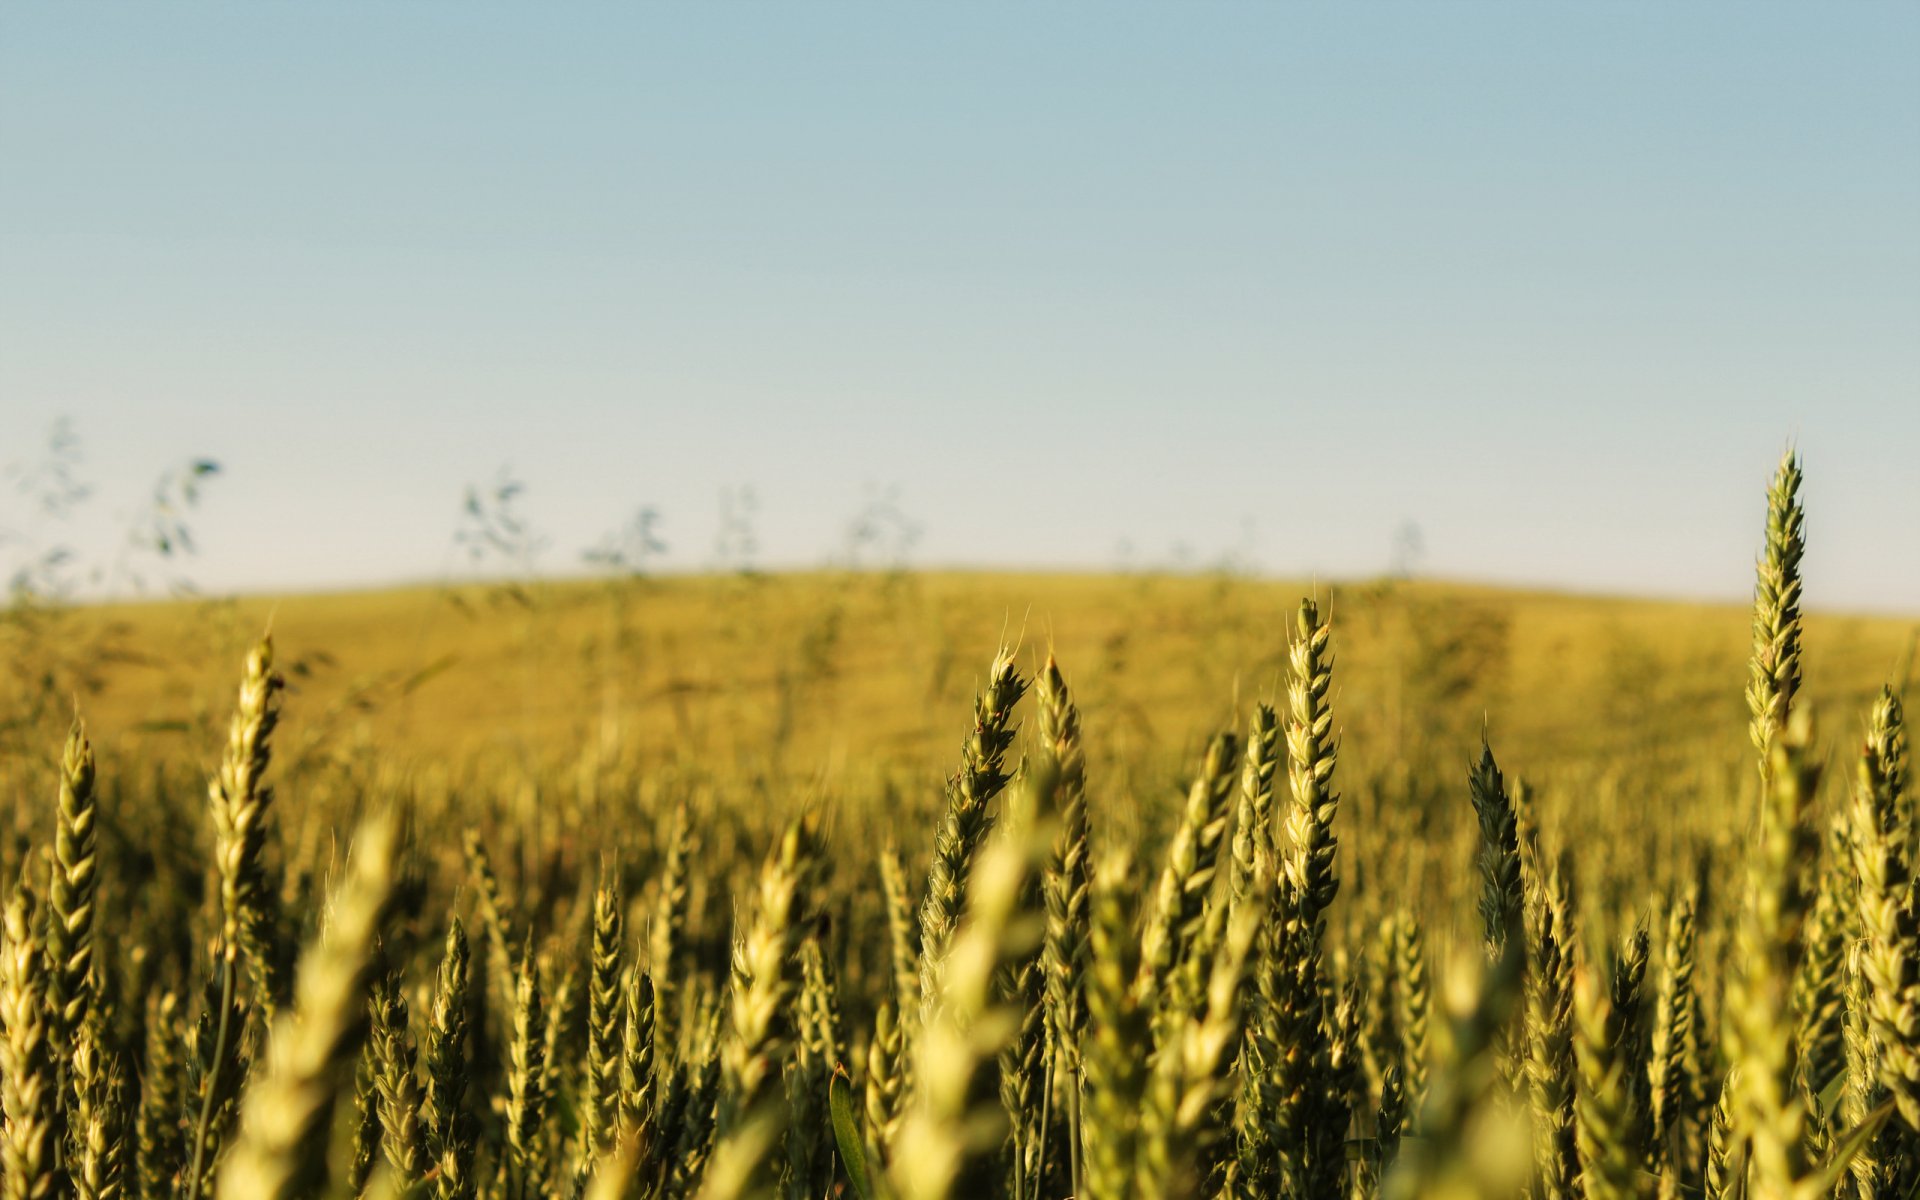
{"x":812,"y":672}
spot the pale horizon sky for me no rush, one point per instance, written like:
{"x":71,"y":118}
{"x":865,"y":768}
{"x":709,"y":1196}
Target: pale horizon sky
{"x":1555,"y":283}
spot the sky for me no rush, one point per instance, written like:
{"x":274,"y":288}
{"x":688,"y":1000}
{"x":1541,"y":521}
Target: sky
{"x":1071,"y":285}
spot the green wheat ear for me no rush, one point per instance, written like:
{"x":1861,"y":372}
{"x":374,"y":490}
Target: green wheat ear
{"x":1118,"y":1025}
{"x":1774,"y":671}
{"x":241,"y":803}
{"x":1253,"y":832}
{"x":1068,"y":891}
{"x":1552,"y":1063}
{"x":981,"y":776}
{"x":1888,"y":959}
{"x":639,"y":1088}
{"x":71,"y":899}
{"x":396,"y":1085}
{"x":526,"y":1100}
{"x":667,"y":932}
{"x":99,"y":1151}
{"x":886,"y":1078}
{"x":1311,"y":751}
{"x":605,"y":1007}
{"x":1674,"y":1073}
{"x":1501,"y":893}
{"x":1186,"y":881}
{"x":1413,"y":1004}
{"x":31,"y":1153}
{"x":1069,"y":871}
{"x":448,"y":1127}
{"x":903,"y":934}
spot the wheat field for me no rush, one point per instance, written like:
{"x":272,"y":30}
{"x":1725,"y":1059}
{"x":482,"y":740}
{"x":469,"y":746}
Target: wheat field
{"x":937,"y":885}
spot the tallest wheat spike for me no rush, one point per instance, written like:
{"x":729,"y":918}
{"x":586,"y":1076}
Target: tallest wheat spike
{"x":1316,"y":1095}
{"x":1310,"y":759}
{"x":1774,"y":673}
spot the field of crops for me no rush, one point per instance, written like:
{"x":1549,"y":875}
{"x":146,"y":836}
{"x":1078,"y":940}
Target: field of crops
{"x":654,"y":888}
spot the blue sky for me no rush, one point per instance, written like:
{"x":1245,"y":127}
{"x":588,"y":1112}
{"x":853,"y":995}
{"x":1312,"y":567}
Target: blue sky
{"x":1085,"y":284}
